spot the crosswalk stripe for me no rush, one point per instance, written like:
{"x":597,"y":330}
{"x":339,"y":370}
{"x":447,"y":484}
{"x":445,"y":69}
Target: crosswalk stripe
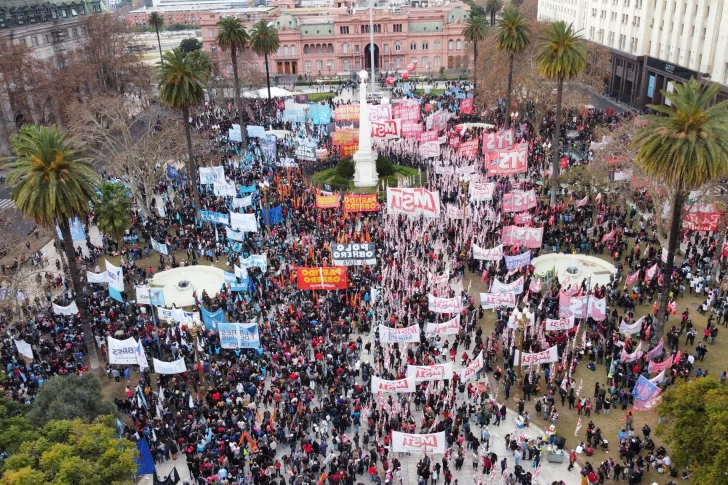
{"x":6,"y":203}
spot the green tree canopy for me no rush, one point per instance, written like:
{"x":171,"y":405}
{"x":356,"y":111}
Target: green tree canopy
{"x":190,"y":45}
{"x":695,"y":426}
{"x":264,"y":41}
{"x":72,"y":453}
{"x":113,"y":206}
{"x":70,"y":397}
{"x":512,"y":37}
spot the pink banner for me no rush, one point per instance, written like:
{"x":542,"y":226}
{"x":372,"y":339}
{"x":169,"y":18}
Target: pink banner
{"x":406,"y":112}
{"x":468,"y":149}
{"x":428,"y":136}
{"x":576,"y":306}
{"x":659,"y":366}
{"x":508,"y":162}
{"x":494,"y":142}
{"x":466,"y":106}
{"x":386,"y":129}
{"x":523,"y":219}
{"x":518,"y":201}
{"x":411,"y":129}
{"x":529,"y":237}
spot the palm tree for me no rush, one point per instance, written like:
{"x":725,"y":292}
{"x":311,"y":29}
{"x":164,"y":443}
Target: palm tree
{"x":562,"y":55}
{"x":684,"y":146}
{"x":232,"y":35}
{"x":157,"y":21}
{"x":52,"y":185}
{"x":264,"y":41}
{"x":474,"y":31}
{"x":492,"y":7}
{"x":512,"y":37}
{"x":112,"y":207}
{"x":182,"y":80}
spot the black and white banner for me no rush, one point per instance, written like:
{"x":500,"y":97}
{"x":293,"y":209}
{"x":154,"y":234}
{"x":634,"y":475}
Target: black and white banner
{"x":354,"y":254}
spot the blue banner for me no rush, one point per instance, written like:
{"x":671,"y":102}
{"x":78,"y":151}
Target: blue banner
{"x":319,"y":113}
{"x":269,"y":147}
{"x":216,"y":217}
{"x":272,"y":216}
{"x":159,"y":247}
{"x":646,"y":394}
{"x":115,"y":294}
{"x":515,"y":262}
{"x":156,"y":296}
{"x":256,"y":131}
{"x":77,"y":232}
{"x":173,"y":174}
{"x":145,"y":461}
{"x":212,"y":319}
{"x":247,"y":189}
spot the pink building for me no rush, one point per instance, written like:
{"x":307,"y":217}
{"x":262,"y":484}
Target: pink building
{"x":335,"y":40}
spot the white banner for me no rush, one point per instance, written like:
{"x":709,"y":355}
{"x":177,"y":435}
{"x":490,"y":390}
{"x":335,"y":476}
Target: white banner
{"x":96,"y":277}
{"x":224,"y":189}
{"x":494,"y":300}
{"x":126,"y":352}
{"x":71,"y":309}
{"x":405,"y":335}
{"x":515,"y":286}
{"x":515,"y":262}
{"x":402,"y":385}
{"x":451,"y":327}
{"x":242,"y":202}
{"x":413,"y":202}
{"x":212,"y":175}
{"x":243,"y":222}
{"x":444,"y":305}
{"x":634,"y":328}
{"x":24,"y":348}
{"x":481,"y":191}
{"x":175,"y":367}
{"x":545,"y":357}
{"x":495,"y":254}
{"x":176,"y":315}
{"x":115,"y":276}
{"x":430,"y":372}
{"x":473,"y":367}
{"x":419,"y":443}
{"x":566,"y":323}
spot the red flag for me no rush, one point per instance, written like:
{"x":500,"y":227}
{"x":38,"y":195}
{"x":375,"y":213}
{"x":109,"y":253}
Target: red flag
{"x":632,"y":278}
{"x":578,"y":427}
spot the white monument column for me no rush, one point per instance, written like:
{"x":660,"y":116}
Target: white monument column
{"x":364,"y":158}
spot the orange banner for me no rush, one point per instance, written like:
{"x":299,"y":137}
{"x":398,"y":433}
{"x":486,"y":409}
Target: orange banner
{"x":333,"y":278}
{"x":345,"y":137}
{"x":327,"y":201}
{"x":361,"y":203}
{"x":347,"y":151}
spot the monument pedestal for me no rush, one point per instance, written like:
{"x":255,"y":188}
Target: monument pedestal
{"x":365,"y":158}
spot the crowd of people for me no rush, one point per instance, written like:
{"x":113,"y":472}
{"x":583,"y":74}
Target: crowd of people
{"x":300,"y":409}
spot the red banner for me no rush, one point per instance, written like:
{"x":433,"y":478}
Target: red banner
{"x":529,"y":237}
{"x":518,"y":201}
{"x":468,"y":149}
{"x":361,"y":203}
{"x":701,"y":221}
{"x":428,"y":136}
{"x":331,"y":278}
{"x":508,"y":162}
{"x":411,"y":129}
{"x":466,"y":106}
{"x":327,"y":201}
{"x":348,"y":151}
{"x":523,"y":219}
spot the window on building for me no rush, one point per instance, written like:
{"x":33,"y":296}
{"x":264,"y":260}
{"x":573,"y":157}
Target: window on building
{"x":358,"y":65}
{"x":450,"y":44}
{"x":437,"y":61}
{"x":347,"y":67}
{"x":210,"y":33}
{"x":622,"y":41}
{"x":356,"y":48}
{"x":34,"y":41}
{"x":397,"y":46}
{"x":213,"y":49}
{"x":625,"y":18}
{"x":307,"y":49}
{"x":425,"y":62}
{"x":614,"y":16}
{"x":610,"y":39}
{"x":307,"y":66}
{"x":319,"y":49}
{"x":398,"y":63}
{"x":46,"y":39}
{"x":458,"y":44}
{"x":319,"y":65}
{"x":437,"y":45}
{"x":386,"y":48}
{"x":73,"y":11}
{"x":386,"y":65}
{"x":293,"y":50}
{"x":636,"y":21}
{"x":591,"y":32}
{"x":397,"y":28}
{"x":285,"y":50}
{"x":703,"y":36}
{"x":344,"y":29}
{"x":425,"y":46}
{"x":74,"y":32}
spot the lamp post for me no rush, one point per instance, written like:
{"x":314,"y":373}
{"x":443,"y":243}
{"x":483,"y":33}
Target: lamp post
{"x":522,"y":319}
{"x":546,"y":150}
{"x":465,"y":183}
{"x":194,"y":330}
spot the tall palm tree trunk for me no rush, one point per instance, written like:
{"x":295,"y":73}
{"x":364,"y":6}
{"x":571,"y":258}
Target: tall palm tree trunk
{"x":78,"y":287}
{"x":236,"y":94}
{"x":672,"y":242}
{"x":159,"y":44}
{"x":267,"y":75}
{"x":475,"y":67}
{"x":557,"y":139}
{"x":191,"y":169}
{"x":508,"y":93}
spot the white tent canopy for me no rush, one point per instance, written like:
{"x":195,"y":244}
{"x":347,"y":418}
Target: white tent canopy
{"x":263,"y":93}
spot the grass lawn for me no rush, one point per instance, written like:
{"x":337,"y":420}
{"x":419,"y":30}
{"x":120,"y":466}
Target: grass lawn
{"x":433,"y":91}
{"x":329,"y":176}
{"x":317,"y":97}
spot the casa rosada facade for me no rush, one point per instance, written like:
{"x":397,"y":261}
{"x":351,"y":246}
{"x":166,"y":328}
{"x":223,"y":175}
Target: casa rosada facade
{"x":336,"y":41}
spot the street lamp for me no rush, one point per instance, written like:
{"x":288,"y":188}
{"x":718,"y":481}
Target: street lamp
{"x":195,"y":329}
{"x":522,"y":320}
